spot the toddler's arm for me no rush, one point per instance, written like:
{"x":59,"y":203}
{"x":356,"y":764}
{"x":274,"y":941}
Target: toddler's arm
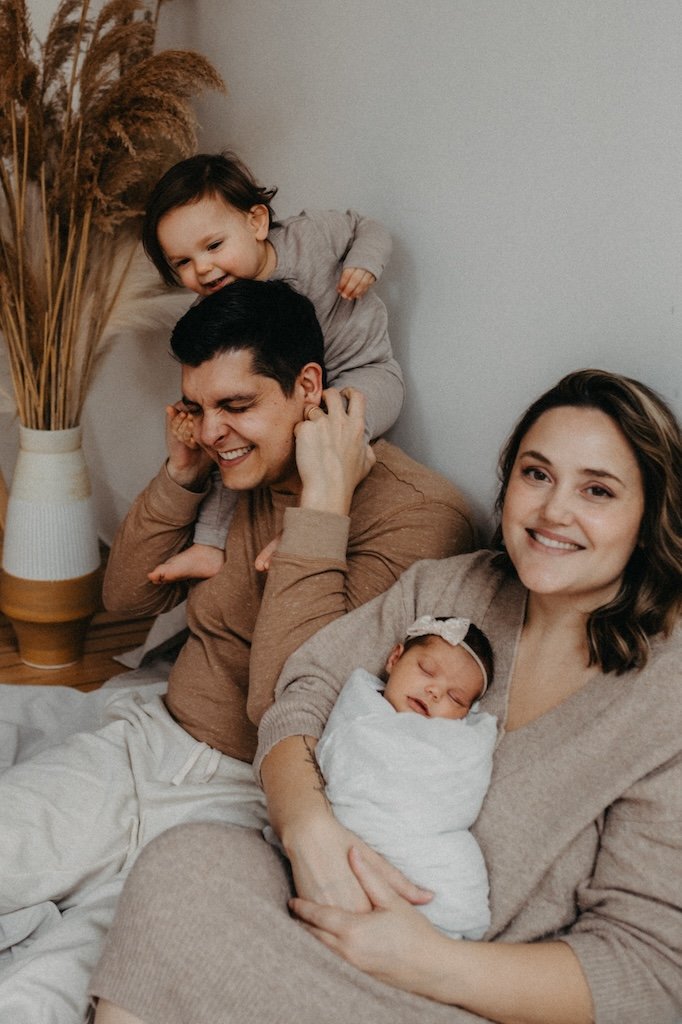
{"x":361,"y":356}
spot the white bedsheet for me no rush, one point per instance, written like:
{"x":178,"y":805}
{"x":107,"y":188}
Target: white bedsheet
{"x":35,"y":717}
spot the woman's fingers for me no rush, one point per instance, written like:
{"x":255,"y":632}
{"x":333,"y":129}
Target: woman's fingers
{"x":382,"y":877}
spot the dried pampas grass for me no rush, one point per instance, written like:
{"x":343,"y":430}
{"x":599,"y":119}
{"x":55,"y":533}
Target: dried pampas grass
{"x":86,"y":129}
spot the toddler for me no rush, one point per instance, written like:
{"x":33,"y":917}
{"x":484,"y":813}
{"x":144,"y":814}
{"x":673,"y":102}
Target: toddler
{"x":407,"y":763}
{"x":209,"y":223}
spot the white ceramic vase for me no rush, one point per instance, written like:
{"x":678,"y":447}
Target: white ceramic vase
{"x":49,"y":587}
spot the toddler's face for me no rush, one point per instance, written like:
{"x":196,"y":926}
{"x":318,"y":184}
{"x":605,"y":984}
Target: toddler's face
{"x":210,"y":244}
{"x":433,"y":679}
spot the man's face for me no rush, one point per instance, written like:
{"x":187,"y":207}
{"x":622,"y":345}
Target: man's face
{"x":244,"y":421}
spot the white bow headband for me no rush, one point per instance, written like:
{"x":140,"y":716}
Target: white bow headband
{"x":453,"y":632}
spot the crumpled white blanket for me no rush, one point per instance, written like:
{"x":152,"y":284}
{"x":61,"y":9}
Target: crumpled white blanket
{"x":35,"y":717}
{"x":411,"y":787}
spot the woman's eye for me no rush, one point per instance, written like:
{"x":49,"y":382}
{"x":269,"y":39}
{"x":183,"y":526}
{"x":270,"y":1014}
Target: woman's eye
{"x":597,"y":491}
{"x":533,"y":473}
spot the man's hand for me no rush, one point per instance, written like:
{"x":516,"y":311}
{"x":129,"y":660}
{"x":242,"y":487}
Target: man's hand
{"x":188,"y":464}
{"x":354,"y":283}
{"x":332,"y":455}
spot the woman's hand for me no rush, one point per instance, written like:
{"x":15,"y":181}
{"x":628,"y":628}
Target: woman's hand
{"x":513,"y":983}
{"x":322,"y":869}
{"x":388,"y":939}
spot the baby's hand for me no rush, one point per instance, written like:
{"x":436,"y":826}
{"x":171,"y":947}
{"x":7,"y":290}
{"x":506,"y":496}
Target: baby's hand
{"x":188,"y":464}
{"x":354,"y":282}
{"x":182,"y":427}
{"x":263,"y":560}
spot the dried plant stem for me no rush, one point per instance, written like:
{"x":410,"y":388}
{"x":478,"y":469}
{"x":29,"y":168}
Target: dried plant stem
{"x":84,"y":135}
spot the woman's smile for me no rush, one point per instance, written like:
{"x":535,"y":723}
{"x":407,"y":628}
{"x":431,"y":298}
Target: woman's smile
{"x":573,"y":506}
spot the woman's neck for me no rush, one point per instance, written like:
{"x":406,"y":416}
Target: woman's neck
{"x":552,"y":661}
{"x":556,"y":616}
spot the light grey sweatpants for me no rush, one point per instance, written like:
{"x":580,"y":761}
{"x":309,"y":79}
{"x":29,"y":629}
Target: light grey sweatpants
{"x":73,"y":820}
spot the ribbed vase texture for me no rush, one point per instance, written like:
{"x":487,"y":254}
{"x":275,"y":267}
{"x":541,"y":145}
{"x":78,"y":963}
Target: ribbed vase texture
{"x":51,"y":531}
{"x":50,"y":583}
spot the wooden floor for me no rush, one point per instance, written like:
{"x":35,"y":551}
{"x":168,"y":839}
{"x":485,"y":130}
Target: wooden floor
{"x":108,"y":635}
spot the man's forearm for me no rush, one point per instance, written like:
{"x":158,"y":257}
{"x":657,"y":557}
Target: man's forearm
{"x":158,"y":525}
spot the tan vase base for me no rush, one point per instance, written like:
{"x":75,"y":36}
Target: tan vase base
{"x":50,"y":618}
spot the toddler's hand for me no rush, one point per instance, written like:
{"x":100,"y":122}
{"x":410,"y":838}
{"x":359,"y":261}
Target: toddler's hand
{"x":263,"y":559}
{"x":355,"y":282}
{"x":182,"y":427}
{"x":188,"y":464}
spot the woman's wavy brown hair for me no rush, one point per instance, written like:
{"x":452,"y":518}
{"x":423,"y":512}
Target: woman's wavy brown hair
{"x":649,"y":600}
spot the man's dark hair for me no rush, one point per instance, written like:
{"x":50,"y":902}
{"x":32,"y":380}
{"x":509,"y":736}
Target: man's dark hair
{"x":275,"y":323}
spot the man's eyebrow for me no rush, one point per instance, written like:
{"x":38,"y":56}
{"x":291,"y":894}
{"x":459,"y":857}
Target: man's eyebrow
{"x":602,"y":474}
{"x":249,"y":396}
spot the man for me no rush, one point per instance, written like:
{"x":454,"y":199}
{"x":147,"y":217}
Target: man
{"x":349,"y":520}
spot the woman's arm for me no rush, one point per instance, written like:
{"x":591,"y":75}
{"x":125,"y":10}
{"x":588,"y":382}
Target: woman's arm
{"x":315,"y":843}
{"x":511,"y":983}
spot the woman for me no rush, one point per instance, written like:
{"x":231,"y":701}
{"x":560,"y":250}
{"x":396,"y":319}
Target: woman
{"x":580,"y":827}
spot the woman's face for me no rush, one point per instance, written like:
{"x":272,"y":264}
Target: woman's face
{"x":573,"y":507}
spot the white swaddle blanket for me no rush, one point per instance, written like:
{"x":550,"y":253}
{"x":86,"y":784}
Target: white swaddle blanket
{"x":411,"y":787}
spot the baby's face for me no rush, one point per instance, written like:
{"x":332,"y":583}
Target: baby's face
{"x":210,"y":244}
{"x":433,"y":679}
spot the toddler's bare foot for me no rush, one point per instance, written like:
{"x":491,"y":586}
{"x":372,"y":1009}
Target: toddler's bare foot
{"x":263,"y":559}
{"x":200,"y":562}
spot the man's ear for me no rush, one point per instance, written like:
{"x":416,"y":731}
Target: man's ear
{"x":259,"y":221}
{"x":395,"y":654}
{"x":310,"y":381}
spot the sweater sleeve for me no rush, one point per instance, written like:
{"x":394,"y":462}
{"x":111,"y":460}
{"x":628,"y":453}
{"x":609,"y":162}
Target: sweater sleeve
{"x":313,"y":248}
{"x":314,"y":674}
{"x":159,"y":524}
{"x":382,"y":385}
{"x":628,"y":933}
{"x":319,"y":573}
{"x":356,"y":240}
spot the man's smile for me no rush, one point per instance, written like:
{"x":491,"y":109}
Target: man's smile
{"x":235,"y":453}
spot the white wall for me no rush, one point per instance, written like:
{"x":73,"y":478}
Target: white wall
{"x":527,"y":158}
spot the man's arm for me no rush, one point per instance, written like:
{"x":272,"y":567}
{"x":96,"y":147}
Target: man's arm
{"x":325,"y":566}
{"x":158,"y":525}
